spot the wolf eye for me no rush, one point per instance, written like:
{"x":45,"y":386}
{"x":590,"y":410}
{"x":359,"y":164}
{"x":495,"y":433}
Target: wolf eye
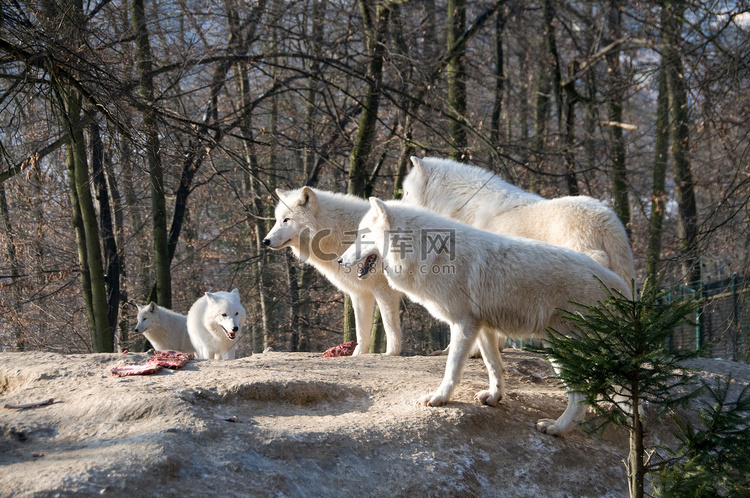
{"x":286,"y":220}
{"x":236,"y":313}
{"x":223,"y":314}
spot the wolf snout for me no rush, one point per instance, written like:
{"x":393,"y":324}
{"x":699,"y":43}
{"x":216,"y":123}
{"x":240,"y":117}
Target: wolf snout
{"x":266,"y":242}
{"x":340,"y":261}
{"x":235,"y":328}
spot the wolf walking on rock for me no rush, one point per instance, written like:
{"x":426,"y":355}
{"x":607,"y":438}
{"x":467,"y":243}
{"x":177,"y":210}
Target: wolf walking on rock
{"x":480,"y":283}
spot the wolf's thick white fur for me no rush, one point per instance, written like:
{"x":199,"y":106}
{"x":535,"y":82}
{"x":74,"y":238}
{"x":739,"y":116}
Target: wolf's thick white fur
{"x":213,"y":323}
{"x":319,"y":226}
{"x":482,"y":199}
{"x":164,"y":328}
{"x":489,"y":283}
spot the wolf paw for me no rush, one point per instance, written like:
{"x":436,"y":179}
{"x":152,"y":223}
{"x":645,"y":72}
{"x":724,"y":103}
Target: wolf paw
{"x":547,"y":426}
{"x":486,"y":397}
{"x":431,"y":400}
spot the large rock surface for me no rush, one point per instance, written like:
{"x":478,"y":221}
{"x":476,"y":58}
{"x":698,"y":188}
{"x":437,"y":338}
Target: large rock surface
{"x":292,"y":424}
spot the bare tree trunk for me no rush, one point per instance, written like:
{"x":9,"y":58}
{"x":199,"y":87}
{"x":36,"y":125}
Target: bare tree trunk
{"x":615,"y":97}
{"x":376,"y":30}
{"x":112,"y":262}
{"x":542,"y":100}
{"x":566,"y":99}
{"x":294,"y":318}
{"x":254,"y":186}
{"x":11,"y":295}
{"x":497,"y":108}
{"x":456,"y":72}
{"x":66,"y":19}
{"x":659,"y":195}
{"x":569,"y":116}
{"x":85,"y":222}
{"x":687,"y":225}
{"x":156,"y":171}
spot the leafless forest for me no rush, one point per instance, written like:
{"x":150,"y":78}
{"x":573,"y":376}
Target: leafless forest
{"x":141,"y":143}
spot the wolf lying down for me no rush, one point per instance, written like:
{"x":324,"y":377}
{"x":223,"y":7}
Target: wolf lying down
{"x":480,"y":283}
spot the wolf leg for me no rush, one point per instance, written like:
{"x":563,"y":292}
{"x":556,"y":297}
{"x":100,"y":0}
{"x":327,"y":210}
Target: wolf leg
{"x":363,"y":307}
{"x":463,"y":336}
{"x":574,"y":411}
{"x":489,"y":345}
{"x":388,"y":302}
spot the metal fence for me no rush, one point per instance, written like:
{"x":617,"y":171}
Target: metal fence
{"x":722,"y":324}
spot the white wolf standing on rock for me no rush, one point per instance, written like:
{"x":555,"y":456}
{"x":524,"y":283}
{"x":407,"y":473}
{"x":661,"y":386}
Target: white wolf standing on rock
{"x":318,"y":226}
{"x":483,"y":200}
{"x":165,"y":329}
{"x":213,"y":323}
{"x":480,"y":283}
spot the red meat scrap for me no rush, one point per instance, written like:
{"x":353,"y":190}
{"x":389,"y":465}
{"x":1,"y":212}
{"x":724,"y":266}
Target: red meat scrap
{"x":345,"y":349}
{"x":171,"y":359}
{"x":161,"y":359}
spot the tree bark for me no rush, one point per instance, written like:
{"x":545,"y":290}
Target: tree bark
{"x":497,"y":108}
{"x":456,"y":73}
{"x":615,"y":97}
{"x":635,"y":466}
{"x":11,"y":295}
{"x":112,"y":263}
{"x":542,"y":101}
{"x":376,"y":32}
{"x":86,"y":225}
{"x":67,"y":19}
{"x":658,"y":195}
{"x":153,"y":157}
{"x":687,"y":222}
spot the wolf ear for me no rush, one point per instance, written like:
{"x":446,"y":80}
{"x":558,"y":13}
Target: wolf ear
{"x":419,"y":166}
{"x":381,"y":210}
{"x":307,"y":198}
{"x":210,"y":297}
{"x":152,"y":307}
{"x":236,"y":292}
{"x":281,"y":193}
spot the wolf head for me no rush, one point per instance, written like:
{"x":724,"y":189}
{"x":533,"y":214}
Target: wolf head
{"x":224,"y":310}
{"x":371,"y":240}
{"x":294,"y":212}
{"x":147,"y":317}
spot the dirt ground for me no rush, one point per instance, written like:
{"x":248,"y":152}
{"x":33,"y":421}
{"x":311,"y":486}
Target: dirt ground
{"x":295,"y":425}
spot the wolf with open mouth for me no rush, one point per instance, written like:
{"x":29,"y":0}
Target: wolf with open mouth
{"x":213,"y":323}
{"x":484,"y":285}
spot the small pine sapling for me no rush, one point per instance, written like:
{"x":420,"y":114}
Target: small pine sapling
{"x":617,"y":358}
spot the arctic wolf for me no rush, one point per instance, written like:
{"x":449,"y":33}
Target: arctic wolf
{"x":482,"y":199}
{"x":213,"y":323}
{"x":319,"y":226}
{"x":164,"y":329}
{"x":480,"y":283}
